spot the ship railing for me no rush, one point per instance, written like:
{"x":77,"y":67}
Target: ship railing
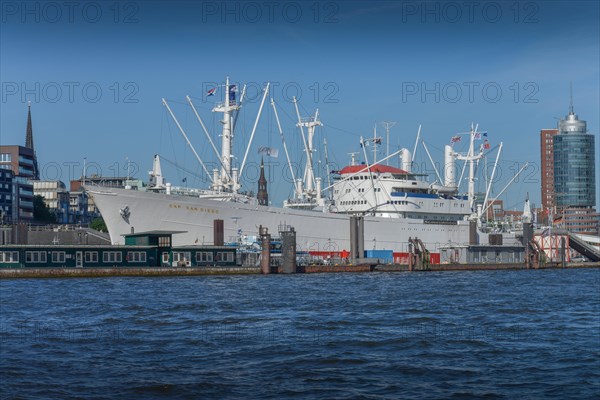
{"x":307,"y":119}
{"x":55,"y":228}
{"x":193,"y":192}
{"x":232,"y":103}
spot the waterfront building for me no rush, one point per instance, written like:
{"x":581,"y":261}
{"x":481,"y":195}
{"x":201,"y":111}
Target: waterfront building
{"x":6,"y":195}
{"x":575,"y":175}
{"x":56,"y":197}
{"x":547,"y":167}
{"x":78,"y":208}
{"x":22,"y":162}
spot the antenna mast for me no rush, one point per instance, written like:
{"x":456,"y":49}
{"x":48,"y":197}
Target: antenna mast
{"x":388,"y":125}
{"x":471,"y":157}
{"x":571,"y":97}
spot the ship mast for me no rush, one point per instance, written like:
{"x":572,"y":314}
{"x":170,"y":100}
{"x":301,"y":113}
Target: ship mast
{"x":471,"y":157}
{"x":309,"y":123}
{"x":228,"y":177}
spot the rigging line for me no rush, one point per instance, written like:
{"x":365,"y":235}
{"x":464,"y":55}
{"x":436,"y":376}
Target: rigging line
{"x":343,"y":130}
{"x":434,"y":147}
{"x":270,"y":124}
{"x":179,"y":167}
{"x":162,"y":130}
{"x":305,"y":110}
{"x":201,"y":101}
{"x":176,"y":102}
{"x":293,"y":120}
{"x":172,"y":146}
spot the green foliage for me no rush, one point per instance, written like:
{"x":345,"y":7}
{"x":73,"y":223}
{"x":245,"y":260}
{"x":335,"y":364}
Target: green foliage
{"x":99,"y":225}
{"x":41,"y":212}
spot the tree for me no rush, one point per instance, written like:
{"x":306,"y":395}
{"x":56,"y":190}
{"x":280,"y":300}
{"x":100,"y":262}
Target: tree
{"x":41,"y":212}
{"x":99,"y":225}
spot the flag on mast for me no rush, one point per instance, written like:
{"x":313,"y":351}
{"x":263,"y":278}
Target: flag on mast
{"x":479,"y":134}
{"x":211,"y":92}
{"x":268,"y":151}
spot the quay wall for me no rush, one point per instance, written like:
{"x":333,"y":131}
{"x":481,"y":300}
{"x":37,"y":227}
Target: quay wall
{"x":50,"y":272}
{"x":105,"y":272}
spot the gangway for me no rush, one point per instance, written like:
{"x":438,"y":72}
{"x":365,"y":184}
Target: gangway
{"x":584,"y":248}
{"x":419,"y":257}
{"x":580,"y":245}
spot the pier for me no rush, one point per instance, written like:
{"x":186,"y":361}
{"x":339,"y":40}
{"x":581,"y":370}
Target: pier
{"x":151,"y":254}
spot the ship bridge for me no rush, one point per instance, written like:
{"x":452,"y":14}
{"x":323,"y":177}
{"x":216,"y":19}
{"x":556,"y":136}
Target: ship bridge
{"x":386,"y":191}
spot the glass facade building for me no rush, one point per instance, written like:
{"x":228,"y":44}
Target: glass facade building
{"x":574,"y":164}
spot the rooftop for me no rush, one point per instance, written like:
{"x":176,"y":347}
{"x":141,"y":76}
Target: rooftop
{"x":380,"y":169}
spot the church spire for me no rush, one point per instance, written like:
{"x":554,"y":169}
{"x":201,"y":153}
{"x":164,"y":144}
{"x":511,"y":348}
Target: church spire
{"x":29,"y":142}
{"x":29,"y":133}
{"x":263,"y":194}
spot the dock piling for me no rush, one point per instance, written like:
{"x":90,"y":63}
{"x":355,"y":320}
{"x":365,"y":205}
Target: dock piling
{"x":218,"y":232}
{"x":265,"y":259}
{"x":288,"y":250}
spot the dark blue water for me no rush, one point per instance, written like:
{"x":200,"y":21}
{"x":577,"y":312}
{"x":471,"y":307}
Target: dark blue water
{"x":499,"y":334}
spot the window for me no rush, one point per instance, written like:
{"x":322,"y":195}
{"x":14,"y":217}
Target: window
{"x":58,"y":256}
{"x":91,"y":256}
{"x":182,"y":256}
{"x":164,"y":241}
{"x":35,"y":256}
{"x":112,"y":256}
{"x":223,"y":256}
{"x":5,"y":157}
{"x":165,"y":257}
{"x":136,"y":256}
{"x":9,"y":256}
{"x":204,"y":256}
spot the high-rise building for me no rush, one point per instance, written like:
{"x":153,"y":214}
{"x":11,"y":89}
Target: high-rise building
{"x":23,"y":164}
{"x":547,"y":167}
{"x":574,"y":175}
{"x":17,"y":160}
{"x":7,"y":196}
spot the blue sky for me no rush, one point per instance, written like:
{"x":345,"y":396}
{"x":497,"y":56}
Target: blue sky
{"x":358,"y":62}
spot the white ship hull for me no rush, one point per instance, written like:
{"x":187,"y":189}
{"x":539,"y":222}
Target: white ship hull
{"x":316,"y":231}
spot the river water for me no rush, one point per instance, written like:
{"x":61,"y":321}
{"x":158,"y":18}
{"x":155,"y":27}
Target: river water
{"x":491,"y":334}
